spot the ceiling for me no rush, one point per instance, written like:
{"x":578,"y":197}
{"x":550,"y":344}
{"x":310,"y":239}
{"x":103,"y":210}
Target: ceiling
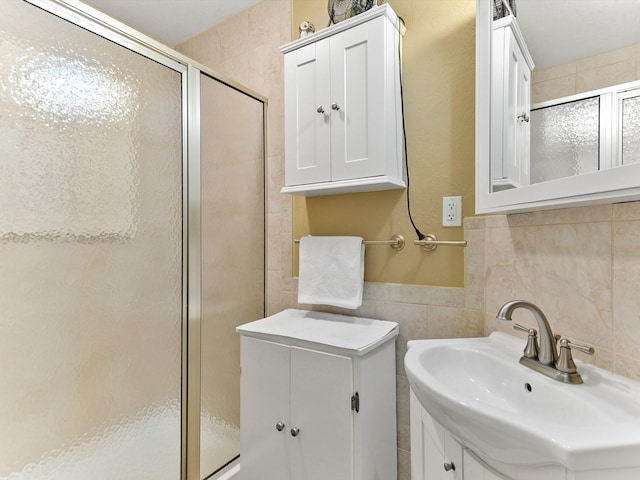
{"x":562,"y":31}
{"x":556,"y":31}
{"x":171,"y":21}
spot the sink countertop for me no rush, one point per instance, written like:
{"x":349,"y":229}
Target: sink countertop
{"x":477,"y":389}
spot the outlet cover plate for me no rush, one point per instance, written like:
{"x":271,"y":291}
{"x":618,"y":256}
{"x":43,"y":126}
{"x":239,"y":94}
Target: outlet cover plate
{"x":452,"y":211}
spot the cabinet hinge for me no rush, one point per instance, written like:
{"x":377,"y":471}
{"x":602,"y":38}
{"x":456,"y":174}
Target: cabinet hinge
{"x":355,"y":402}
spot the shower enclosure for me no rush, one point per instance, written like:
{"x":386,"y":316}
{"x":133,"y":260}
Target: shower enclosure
{"x":131,"y":246}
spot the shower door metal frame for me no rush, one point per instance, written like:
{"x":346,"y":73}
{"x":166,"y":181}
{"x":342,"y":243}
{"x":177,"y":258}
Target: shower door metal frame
{"x":105,"y":26}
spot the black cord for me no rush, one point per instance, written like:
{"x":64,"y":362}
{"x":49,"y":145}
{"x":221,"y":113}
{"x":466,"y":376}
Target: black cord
{"x":420,"y":235}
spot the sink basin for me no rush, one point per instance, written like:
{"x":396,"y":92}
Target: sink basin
{"x":510,"y":415}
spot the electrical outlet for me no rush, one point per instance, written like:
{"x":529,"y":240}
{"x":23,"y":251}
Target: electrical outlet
{"x":451,"y":211}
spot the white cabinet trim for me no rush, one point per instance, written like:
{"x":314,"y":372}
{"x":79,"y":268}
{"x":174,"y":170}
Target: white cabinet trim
{"x":377,"y":11}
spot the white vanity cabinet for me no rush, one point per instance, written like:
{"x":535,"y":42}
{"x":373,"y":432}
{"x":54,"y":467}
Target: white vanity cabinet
{"x":511,"y":106}
{"x":436,"y":455}
{"x":317,"y":398}
{"x":474,"y":470}
{"x":343,"y":111}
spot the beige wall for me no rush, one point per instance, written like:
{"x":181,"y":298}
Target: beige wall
{"x":439,"y":76}
{"x":592,"y":73}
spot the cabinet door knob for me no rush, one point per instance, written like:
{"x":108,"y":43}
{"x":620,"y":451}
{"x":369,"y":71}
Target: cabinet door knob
{"x":449,"y":466}
{"x":295,"y":431}
{"x":320,"y":109}
{"x":279,"y":426}
{"x":335,"y":106}
{"x":523,"y":117}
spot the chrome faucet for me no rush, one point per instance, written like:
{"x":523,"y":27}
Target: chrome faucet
{"x":544,"y":358}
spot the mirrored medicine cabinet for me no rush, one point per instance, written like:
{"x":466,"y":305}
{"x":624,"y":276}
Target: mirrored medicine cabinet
{"x":557,"y":104}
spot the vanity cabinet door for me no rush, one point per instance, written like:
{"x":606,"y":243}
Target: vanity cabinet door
{"x":435,"y":455}
{"x":321,"y":389}
{"x":443,"y":459}
{"x":295,"y":413}
{"x":473,"y":470}
{"x":264,"y":404}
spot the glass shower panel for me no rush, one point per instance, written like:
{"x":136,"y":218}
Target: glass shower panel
{"x":565,"y":140}
{"x":90,"y":253}
{"x":631,"y":130}
{"x":233,"y":258}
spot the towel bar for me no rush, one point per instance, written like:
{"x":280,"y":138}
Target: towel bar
{"x":396,"y":242}
{"x":430,"y":243}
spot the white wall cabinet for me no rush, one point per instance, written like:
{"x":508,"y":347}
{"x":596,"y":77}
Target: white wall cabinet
{"x":313,"y":407}
{"x":511,"y":106}
{"x":343,"y":111}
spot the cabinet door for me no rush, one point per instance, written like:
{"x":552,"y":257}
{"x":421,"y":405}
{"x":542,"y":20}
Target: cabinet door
{"x":443,"y":458}
{"x":321,"y":389}
{"x":307,"y":114}
{"x":516,"y":113}
{"x":523,"y":123}
{"x":434,"y":460}
{"x":497,"y":106}
{"x":358,"y":91}
{"x":432,"y":448}
{"x":474,"y":470}
{"x":264,"y":402}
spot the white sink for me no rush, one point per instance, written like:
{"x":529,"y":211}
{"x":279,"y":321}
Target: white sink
{"x":508,"y":414}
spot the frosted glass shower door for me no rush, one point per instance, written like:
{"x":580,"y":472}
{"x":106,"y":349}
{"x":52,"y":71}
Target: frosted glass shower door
{"x":233,"y":257}
{"x":91,"y":273}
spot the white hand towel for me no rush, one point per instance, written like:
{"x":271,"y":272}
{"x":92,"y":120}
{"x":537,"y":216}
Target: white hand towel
{"x":331,"y":271}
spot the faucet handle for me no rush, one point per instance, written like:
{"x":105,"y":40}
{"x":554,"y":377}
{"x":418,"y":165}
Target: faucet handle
{"x":522,"y":328}
{"x":565,"y":361}
{"x":531,"y":348}
{"x":581,"y":348}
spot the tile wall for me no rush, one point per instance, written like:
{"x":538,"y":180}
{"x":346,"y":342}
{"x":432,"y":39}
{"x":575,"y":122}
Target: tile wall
{"x":591,"y":73}
{"x":581,"y":266}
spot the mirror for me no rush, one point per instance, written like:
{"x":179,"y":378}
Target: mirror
{"x":567,"y":132}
